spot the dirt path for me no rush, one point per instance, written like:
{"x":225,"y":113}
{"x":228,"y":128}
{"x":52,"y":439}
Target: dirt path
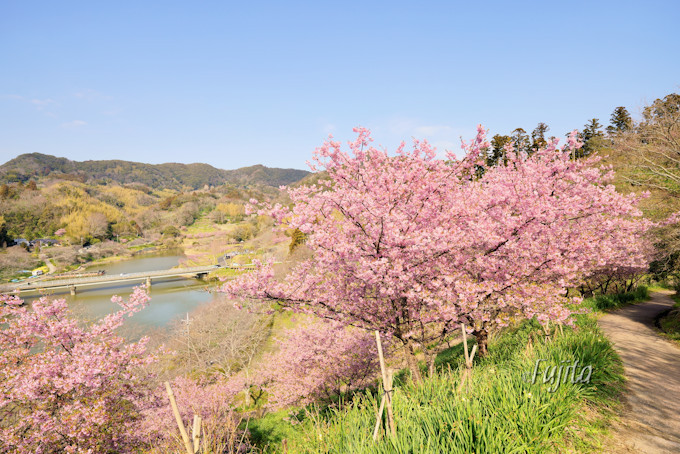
{"x":651,"y":423}
{"x":50,"y":266}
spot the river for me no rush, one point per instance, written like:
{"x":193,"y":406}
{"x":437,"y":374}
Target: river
{"x":171,"y":298}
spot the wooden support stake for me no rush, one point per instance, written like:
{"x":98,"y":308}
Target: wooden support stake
{"x":379,"y":418}
{"x":472,"y":355}
{"x":464,"y":334}
{"x":178,"y":418}
{"x":386,"y":385}
{"x":196,"y":432}
{"x":469,"y":356}
{"x":388,"y":393}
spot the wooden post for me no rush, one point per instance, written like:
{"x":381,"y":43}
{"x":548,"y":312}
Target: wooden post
{"x":196,"y":432}
{"x":387,"y":387}
{"x":546,"y":331}
{"x":379,"y":417}
{"x":468,"y":356}
{"x":182,"y":430}
{"x":388,"y":393}
{"x":464,"y":334}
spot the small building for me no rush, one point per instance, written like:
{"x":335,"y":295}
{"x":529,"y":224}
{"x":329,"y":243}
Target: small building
{"x":44,"y":242}
{"x":20,"y":241}
{"x":37,"y":272}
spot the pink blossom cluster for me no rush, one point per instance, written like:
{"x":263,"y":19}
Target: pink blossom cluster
{"x":211,"y":401}
{"x":317,"y":360}
{"x":279,"y":238}
{"x":412,"y":245}
{"x":65,"y":387}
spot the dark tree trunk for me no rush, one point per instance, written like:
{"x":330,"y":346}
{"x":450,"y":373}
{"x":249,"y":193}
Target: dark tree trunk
{"x":482,"y":336}
{"x":413,"y":362}
{"x":430,"y":364}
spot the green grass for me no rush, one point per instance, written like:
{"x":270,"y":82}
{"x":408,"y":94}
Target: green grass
{"x":273,"y":428}
{"x":139,"y":247}
{"x":617,"y":300}
{"x":202,"y":225}
{"x":670,"y":323}
{"x":500,"y":411}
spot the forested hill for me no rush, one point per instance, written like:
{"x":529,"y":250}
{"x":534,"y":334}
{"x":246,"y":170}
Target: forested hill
{"x":171,"y":175}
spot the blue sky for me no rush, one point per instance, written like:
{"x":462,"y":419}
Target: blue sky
{"x":241,"y":83}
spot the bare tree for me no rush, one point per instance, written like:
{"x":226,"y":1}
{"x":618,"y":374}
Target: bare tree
{"x":218,"y":340}
{"x":648,"y":153}
{"x":96,"y":225}
{"x":652,"y":147}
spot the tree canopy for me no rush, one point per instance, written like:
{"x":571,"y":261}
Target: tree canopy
{"x":411,"y":246}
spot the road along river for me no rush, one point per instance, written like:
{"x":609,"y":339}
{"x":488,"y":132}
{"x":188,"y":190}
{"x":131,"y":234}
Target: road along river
{"x":171,"y":298}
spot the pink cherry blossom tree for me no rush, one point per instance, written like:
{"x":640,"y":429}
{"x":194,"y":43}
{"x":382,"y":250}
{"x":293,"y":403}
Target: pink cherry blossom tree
{"x":212,"y":401}
{"x":65,"y":387}
{"x":316,"y":361}
{"x":412,"y":246}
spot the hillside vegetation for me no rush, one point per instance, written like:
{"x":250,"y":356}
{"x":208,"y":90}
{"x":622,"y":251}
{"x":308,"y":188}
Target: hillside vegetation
{"x":158,"y":176}
{"x":99,"y":211}
{"x":95,"y":221}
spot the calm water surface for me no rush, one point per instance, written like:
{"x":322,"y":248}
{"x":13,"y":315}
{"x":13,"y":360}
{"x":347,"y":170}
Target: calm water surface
{"x":171,"y":298}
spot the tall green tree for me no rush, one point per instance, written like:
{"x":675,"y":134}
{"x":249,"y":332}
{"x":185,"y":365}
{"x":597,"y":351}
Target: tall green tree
{"x":5,"y":238}
{"x":620,"y":120}
{"x":520,"y":140}
{"x":538,"y":137}
{"x":497,"y":154}
{"x":592,"y":137}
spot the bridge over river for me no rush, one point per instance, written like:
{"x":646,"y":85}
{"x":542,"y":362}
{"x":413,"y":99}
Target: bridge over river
{"x":72,"y":283}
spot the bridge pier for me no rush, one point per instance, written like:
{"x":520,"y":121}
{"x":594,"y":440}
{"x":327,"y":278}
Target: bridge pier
{"x":148,"y":282}
{"x":72,"y":288}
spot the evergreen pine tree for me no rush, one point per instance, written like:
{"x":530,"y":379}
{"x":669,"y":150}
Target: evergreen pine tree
{"x":620,"y":120}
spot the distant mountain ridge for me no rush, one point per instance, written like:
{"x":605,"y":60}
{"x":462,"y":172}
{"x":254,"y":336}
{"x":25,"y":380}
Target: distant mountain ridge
{"x":170,"y":175}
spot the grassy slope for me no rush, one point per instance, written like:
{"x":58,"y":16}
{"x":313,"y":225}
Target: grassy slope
{"x":615,"y":301}
{"x":670,"y":323}
{"x":500,"y":411}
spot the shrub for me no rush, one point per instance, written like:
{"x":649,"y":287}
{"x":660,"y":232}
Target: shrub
{"x":171,"y":231}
